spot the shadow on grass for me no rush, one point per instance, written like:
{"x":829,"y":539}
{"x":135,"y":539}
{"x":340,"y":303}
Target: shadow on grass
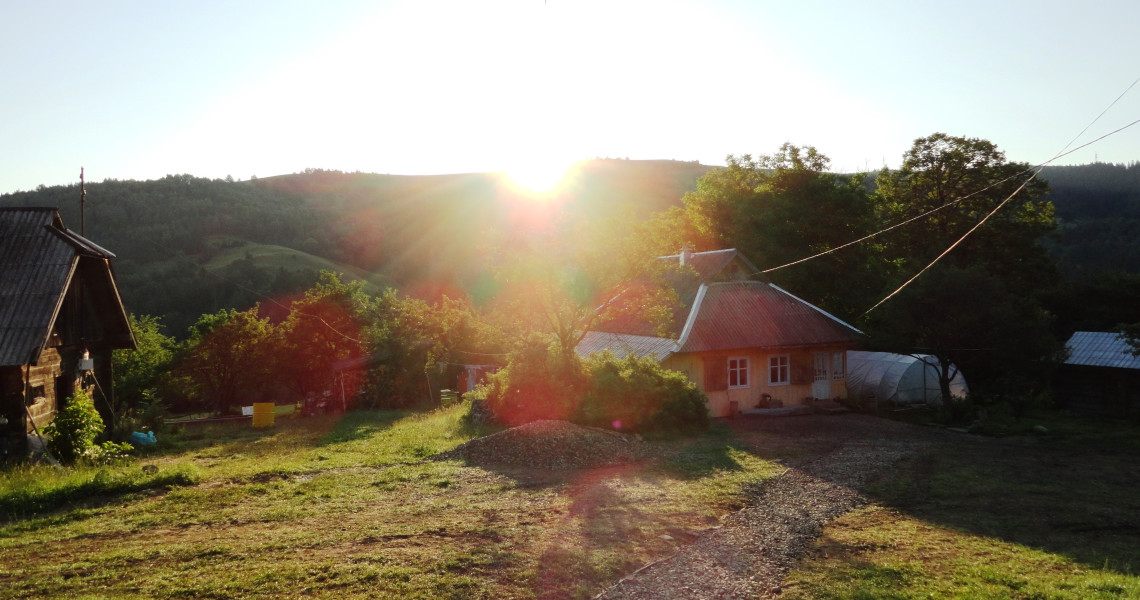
{"x":1081,"y":505}
{"x":356,"y":425}
{"x":704,"y":456}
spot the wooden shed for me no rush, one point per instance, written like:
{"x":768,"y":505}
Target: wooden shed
{"x":60,"y":317}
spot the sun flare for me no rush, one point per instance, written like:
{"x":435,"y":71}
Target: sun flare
{"x":537,"y":176}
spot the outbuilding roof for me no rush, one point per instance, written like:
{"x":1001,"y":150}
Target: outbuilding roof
{"x":1100,"y":349}
{"x":623,"y":345}
{"x":38,"y":259}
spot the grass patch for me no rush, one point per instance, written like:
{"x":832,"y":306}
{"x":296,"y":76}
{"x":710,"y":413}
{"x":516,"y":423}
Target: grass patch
{"x":348,"y":507}
{"x":880,"y":553}
{"x":30,"y":490}
{"x":1045,"y":516}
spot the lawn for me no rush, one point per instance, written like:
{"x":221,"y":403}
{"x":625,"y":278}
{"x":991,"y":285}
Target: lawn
{"x":1052,"y":516}
{"x":352,"y":507}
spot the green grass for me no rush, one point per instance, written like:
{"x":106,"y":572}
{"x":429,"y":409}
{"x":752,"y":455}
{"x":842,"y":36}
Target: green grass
{"x":350,"y":508}
{"x":1043,"y":516}
{"x":271,"y":257}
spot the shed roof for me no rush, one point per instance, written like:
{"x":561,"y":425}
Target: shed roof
{"x":38,"y":258}
{"x":1100,"y":349}
{"x":754,"y":314}
{"x":622,"y":345}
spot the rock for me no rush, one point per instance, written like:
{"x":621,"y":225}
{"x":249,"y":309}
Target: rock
{"x":1040,"y":429}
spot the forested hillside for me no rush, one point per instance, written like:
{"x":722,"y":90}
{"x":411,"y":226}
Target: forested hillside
{"x":188,"y":246}
{"x":1098,"y":207}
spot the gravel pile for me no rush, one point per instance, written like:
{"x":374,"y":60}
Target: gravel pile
{"x":554,"y":445}
{"x":754,"y":548}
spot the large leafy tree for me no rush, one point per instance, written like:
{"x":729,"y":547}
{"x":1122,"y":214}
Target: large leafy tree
{"x":979,"y":307}
{"x":784,"y":207}
{"x":965,"y":179}
{"x":229,"y":358}
{"x":323,"y":327}
{"x":137,"y":370}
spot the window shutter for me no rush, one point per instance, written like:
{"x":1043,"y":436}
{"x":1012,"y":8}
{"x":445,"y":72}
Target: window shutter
{"x":716,"y":374}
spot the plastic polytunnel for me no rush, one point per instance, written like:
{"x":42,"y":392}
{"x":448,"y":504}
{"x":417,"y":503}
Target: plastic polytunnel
{"x":898,"y":379}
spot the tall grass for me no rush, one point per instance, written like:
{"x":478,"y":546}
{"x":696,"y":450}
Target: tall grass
{"x":29,"y":490}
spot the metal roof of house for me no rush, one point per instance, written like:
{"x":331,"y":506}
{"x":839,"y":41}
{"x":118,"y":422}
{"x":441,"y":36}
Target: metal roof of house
{"x":754,"y":314}
{"x":38,"y":257}
{"x":1100,"y":349}
{"x":623,"y":345}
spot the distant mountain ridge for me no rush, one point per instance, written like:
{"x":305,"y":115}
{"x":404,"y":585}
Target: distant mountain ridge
{"x":189,"y":245}
{"x":174,"y":235}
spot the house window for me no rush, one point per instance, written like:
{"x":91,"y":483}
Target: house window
{"x":778,"y":369}
{"x":838,"y":362}
{"x":738,"y":372}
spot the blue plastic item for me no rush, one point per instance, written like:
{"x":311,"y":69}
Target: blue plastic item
{"x":143,"y":439}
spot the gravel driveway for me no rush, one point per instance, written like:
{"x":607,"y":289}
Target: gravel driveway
{"x":753,"y":549}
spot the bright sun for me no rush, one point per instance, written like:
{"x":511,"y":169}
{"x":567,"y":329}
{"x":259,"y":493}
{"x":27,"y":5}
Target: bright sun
{"x":538,"y":176}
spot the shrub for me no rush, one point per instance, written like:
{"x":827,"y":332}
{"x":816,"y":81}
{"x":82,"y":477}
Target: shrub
{"x":540,"y":381}
{"x":639,"y":395}
{"x":74,"y":428}
{"x":633,"y":395}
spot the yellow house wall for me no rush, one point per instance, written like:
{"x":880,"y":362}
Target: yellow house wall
{"x":797,"y":391}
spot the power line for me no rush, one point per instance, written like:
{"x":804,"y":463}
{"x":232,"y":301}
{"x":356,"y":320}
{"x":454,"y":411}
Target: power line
{"x":1036,"y":169}
{"x":1033,"y":170}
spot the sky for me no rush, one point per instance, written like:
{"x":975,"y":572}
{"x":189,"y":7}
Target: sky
{"x":141,"y":89}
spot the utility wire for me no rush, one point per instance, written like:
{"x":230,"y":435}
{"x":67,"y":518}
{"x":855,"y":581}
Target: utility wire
{"x":1037,"y":171}
{"x":1034,"y":170}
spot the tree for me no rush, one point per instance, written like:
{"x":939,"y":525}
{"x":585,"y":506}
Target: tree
{"x":967,"y":178}
{"x":1131,"y":336}
{"x":562,"y":291}
{"x":786,"y":206}
{"x":980,"y":307}
{"x":969,"y":320}
{"x":325,"y":326}
{"x":229,"y":357}
{"x":137,"y":370}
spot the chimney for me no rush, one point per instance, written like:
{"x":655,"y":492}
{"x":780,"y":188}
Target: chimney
{"x":686,"y":255}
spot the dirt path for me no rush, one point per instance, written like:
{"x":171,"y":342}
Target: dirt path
{"x":754,"y":548}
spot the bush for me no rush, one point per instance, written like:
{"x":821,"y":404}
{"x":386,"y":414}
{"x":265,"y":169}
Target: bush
{"x":639,"y":395}
{"x":630,"y":394}
{"x":74,"y":428}
{"x":539,"y":382}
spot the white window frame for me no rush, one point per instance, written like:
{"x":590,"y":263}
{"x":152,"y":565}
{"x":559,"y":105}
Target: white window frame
{"x":742,"y":371}
{"x":779,"y":364}
{"x":838,"y":366}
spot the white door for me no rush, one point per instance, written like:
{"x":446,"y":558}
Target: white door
{"x":821,"y":382}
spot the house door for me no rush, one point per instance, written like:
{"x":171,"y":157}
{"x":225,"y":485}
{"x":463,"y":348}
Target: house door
{"x":821,"y":381}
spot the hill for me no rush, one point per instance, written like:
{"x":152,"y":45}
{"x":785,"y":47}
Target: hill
{"x":189,"y":245}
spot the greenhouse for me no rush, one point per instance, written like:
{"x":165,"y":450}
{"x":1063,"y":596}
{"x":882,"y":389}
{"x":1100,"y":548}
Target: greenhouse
{"x":898,"y":379}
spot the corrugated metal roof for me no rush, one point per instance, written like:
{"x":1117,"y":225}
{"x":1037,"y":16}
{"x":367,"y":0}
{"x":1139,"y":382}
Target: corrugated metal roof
{"x":1100,"y":349}
{"x":38,"y":256}
{"x":623,"y":345}
{"x":753,"y":314}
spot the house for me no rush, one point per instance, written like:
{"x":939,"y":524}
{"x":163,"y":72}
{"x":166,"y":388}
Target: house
{"x":743,"y":340}
{"x":60,"y":317}
{"x":1100,"y":375}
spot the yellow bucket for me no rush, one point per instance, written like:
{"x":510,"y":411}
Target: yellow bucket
{"x":263,"y":414}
